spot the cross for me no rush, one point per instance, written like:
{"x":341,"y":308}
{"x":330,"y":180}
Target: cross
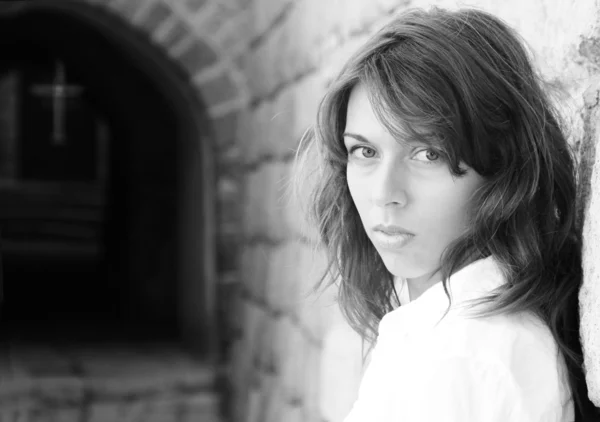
{"x":59,"y":90}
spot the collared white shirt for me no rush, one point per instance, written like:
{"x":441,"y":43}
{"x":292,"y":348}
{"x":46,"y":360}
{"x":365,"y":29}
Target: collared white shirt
{"x":462,"y":369}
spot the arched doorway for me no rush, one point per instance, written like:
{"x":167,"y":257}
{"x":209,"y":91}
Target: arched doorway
{"x":106,"y":182}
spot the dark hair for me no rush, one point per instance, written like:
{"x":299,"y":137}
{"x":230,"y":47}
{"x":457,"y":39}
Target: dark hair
{"x":468,"y":78}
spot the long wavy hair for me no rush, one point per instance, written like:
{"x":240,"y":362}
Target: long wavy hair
{"x":467,"y":77}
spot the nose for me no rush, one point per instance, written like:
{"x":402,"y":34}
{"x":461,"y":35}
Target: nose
{"x":389,"y":185}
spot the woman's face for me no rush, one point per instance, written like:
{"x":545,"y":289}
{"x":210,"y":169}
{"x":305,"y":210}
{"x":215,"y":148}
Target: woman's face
{"x":410,"y":204}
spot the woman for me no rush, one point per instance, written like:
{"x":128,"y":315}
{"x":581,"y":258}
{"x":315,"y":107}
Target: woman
{"x":445,"y":201}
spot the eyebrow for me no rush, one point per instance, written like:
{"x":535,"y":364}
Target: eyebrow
{"x":359,"y":138}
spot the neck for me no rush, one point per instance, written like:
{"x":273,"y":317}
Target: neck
{"x":419,"y":285}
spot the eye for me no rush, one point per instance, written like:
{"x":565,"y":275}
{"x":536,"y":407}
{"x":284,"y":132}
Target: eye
{"x":365,"y":152}
{"x":427,"y":155}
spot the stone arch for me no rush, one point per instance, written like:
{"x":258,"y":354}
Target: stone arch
{"x":183,"y":30}
{"x":213,"y":99}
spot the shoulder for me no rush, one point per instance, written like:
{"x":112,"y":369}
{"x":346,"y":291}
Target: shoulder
{"x":498,"y":337}
{"x":518,"y":348}
{"x":450,"y":388}
{"x":465,"y":370}
{"x":509,"y":340}
{"x":519,"y":343}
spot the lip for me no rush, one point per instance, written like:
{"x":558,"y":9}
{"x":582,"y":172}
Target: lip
{"x":391,"y":237}
{"x":391,"y":230}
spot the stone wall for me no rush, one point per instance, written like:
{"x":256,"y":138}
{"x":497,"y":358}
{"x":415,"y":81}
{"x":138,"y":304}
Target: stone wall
{"x":295,"y":359}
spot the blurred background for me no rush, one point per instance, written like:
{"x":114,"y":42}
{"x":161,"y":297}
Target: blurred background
{"x":154,"y":267}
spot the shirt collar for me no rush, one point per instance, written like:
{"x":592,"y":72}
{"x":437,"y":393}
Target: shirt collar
{"x":475,"y":281}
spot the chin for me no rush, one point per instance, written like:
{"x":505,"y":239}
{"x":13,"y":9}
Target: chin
{"x":401,"y":266}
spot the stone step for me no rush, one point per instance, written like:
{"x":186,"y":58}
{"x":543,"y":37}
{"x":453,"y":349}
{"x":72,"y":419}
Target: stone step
{"x":106,"y":383}
{"x":201,"y":408}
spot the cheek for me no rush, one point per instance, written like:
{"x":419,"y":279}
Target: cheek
{"x":445,"y":212}
{"x":358,"y":191}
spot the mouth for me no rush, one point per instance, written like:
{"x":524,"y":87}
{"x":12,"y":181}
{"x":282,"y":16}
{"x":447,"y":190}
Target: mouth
{"x":391,"y":237}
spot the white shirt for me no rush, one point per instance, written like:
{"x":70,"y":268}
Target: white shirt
{"x":493,"y":369}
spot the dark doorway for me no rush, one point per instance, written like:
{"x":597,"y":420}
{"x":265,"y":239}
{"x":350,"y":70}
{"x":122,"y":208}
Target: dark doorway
{"x":90,"y":188}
